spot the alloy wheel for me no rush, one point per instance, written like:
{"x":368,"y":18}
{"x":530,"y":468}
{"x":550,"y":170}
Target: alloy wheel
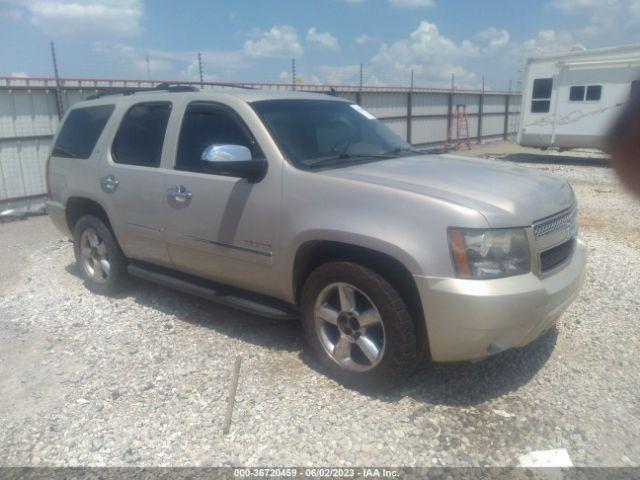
{"x":349,"y":327}
{"x":94,"y":256}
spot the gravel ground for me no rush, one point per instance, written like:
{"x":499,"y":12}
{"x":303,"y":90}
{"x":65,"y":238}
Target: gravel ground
{"x":141,"y":379}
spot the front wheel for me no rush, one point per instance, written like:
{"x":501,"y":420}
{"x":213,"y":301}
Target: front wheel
{"x":98,"y":255}
{"x":358,"y":326}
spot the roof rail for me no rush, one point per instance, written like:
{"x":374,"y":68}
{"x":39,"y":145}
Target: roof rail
{"x":223,"y":84}
{"x":169,"y":87}
{"x":165,"y":87}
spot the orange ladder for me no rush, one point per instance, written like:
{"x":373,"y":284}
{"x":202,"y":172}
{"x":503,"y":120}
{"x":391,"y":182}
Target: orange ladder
{"x":459,"y":116}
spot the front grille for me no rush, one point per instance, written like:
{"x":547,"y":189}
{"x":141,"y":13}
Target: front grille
{"x":549,"y":259}
{"x":554,"y":223}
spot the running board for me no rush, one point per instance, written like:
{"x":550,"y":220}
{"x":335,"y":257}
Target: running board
{"x":245,"y":301}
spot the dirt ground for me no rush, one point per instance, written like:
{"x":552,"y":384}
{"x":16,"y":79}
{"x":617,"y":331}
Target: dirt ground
{"x":142,"y":378}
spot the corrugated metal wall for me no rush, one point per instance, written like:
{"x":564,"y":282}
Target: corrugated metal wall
{"x":28,"y":120}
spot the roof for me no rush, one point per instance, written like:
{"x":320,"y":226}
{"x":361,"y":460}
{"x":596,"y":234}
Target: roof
{"x":622,"y":49}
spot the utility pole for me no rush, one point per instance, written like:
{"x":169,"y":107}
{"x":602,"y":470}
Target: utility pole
{"x":293,"y":73}
{"x":57,"y":77}
{"x":361,"y":77}
{"x":411,"y":86}
{"x":148,"y":67}
{"x":453,"y":82}
{"x":200,"y":69}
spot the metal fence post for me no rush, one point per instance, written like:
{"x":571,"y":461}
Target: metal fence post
{"x":409,"y":115}
{"x":57,"y":89}
{"x":506,"y":117}
{"x":480,"y":112}
{"x":449,"y":114}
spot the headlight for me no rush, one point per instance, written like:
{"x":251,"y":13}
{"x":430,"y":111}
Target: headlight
{"x":489,"y":253}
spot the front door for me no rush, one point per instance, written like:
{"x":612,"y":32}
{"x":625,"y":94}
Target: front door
{"x":220,"y":227}
{"x":133,"y":184}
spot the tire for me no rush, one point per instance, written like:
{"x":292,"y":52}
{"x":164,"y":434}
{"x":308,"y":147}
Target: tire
{"x":394,"y":338}
{"x":98,"y":256}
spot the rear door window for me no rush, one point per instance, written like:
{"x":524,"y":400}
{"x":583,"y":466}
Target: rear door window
{"x":141,"y":134}
{"x":81,"y":130}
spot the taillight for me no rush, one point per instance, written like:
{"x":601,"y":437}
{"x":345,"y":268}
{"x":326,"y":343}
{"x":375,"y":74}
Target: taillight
{"x":46,"y":176}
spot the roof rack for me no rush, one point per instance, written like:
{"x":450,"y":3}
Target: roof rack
{"x":166,"y":87}
{"x":222,"y":84}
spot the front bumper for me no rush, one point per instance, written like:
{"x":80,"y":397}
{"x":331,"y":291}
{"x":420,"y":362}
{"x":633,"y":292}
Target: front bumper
{"x":472,"y":319}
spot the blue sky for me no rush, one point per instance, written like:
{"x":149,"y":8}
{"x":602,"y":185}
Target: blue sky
{"x":245,"y":40}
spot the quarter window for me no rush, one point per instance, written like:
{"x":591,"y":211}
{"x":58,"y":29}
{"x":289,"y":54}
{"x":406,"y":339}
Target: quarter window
{"x":141,"y":134}
{"x":541,"y":97}
{"x":81,"y":130}
{"x":206,"y":124}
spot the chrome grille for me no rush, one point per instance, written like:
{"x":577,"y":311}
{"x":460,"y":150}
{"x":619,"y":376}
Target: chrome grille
{"x":555,"y":239}
{"x":559,"y":221}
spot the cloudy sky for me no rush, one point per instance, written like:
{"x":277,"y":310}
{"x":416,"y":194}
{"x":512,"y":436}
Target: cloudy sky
{"x":255,"y":40}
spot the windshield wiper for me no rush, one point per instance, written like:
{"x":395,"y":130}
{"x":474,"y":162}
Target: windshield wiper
{"x":340,"y":159}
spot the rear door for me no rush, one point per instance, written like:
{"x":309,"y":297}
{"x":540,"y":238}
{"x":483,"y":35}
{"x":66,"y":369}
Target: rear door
{"x":132,"y":182}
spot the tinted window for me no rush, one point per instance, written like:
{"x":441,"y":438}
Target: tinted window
{"x":540,"y":106}
{"x":576,"y":94}
{"x":594,"y":92}
{"x":81,"y":130}
{"x":542,"y":88}
{"x":141,"y":135}
{"x":541,"y":96}
{"x":204,"y":125}
{"x":320,"y":132}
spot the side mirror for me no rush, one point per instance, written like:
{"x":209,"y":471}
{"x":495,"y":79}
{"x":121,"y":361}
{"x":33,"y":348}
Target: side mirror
{"x":233,"y":161}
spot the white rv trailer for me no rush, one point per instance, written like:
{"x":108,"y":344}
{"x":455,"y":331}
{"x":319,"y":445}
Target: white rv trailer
{"x":570,"y":99}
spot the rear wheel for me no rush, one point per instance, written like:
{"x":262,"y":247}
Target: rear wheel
{"x":358,"y":326}
{"x":98,"y":256}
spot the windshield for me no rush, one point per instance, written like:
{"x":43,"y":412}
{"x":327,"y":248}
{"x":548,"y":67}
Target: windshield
{"x":327,"y":133}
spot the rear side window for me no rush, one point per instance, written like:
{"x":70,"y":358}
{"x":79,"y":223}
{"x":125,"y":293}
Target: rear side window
{"x":541,"y":97}
{"x":141,"y":135}
{"x":81,"y":130}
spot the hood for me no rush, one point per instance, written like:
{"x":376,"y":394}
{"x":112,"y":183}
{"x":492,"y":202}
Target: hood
{"x":507,"y":196}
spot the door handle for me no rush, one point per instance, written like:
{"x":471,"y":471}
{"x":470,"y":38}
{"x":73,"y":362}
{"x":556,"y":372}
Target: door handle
{"x":179,"y":193}
{"x":109,"y":183}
